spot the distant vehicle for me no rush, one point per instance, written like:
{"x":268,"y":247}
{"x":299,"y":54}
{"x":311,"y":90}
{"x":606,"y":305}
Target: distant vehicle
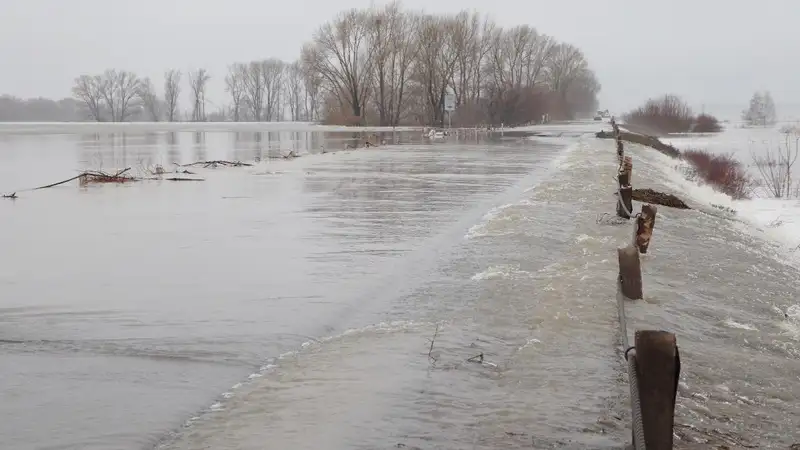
{"x":600,"y":115}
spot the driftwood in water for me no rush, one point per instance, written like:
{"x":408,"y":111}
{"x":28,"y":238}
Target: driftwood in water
{"x":96,"y":176}
{"x":207,"y":164}
{"x":658,"y":369}
{"x":644,"y":227}
{"x":658,"y":198}
{"x":93,"y":176}
{"x":649,"y":141}
{"x":630,"y":272}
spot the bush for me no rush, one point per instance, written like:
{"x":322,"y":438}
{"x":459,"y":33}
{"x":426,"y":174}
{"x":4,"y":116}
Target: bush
{"x":723,"y":172}
{"x":668,"y":114}
{"x":706,"y":123}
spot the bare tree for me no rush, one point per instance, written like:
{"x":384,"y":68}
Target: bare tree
{"x":388,"y":65}
{"x":147,"y":95}
{"x":295,"y":92}
{"x":198,"y":81}
{"x":761,"y":111}
{"x":272,"y":71}
{"x":312,"y":81}
{"x":234,"y":85}
{"x":776,"y":167}
{"x":88,"y":89}
{"x":254,"y":89}
{"x":119,"y":90}
{"x":468,"y":44}
{"x":436,"y":63}
{"x":393,"y":37}
{"x":344,"y":58}
{"x":172,"y":93}
{"x":565,"y":65}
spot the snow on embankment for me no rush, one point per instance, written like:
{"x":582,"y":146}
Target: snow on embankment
{"x":777,"y":219}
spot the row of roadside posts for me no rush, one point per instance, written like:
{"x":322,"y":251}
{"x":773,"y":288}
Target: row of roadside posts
{"x":653,"y":361}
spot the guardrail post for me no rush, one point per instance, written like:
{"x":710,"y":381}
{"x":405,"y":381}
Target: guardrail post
{"x":644,"y":227}
{"x":658,"y":370}
{"x":625,"y":202}
{"x":630,"y":272}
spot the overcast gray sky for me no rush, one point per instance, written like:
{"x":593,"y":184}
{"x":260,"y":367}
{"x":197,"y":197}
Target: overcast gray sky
{"x":709,"y":51}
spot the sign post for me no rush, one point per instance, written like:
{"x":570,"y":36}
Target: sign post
{"x":449,"y":106}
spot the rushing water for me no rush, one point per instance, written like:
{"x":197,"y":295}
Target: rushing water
{"x":291,"y":304}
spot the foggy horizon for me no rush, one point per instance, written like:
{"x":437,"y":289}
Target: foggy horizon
{"x":708,"y":53}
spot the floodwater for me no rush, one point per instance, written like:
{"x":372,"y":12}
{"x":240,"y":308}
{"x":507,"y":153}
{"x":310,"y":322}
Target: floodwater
{"x":337,"y":300}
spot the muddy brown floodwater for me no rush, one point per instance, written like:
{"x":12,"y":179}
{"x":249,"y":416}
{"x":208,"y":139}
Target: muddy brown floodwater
{"x":291,"y":304}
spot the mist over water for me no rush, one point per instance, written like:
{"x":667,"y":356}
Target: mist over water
{"x":291,"y":304}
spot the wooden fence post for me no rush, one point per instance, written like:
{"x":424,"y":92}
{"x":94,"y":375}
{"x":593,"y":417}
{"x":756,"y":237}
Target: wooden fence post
{"x":630,"y":272}
{"x":625,"y":202}
{"x":658,"y":370}
{"x":627,"y":167}
{"x":644,"y":227}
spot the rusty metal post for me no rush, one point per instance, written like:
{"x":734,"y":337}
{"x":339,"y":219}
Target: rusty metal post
{"x":644,"y":227}
{"x":625,"y":201}
{"x":630,"y":272}
{"x":658,"y":370}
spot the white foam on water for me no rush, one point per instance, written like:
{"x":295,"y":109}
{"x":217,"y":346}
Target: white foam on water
{"x":503,"y":271}
{"x":274,"y":363}
{"x":791,"y":323}
{"x":558,"y":163}
{"x":730,"y":323}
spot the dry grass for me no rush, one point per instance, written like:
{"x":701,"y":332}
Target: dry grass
{"x":723,"y":172}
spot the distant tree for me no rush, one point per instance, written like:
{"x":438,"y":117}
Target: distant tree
{"x":761,"y":111}
{"x":13,"y":109}
{"x":114,"y":94}
{"x":119,"y":89}
{"x":198,"y":81}
{"x":149,"y":98}
{"x":344,"y":58}
{"x":172,"y":93}
{"x":234,"y":85}
{"x":295,"y":97}
{"x":272,"y":79}
{"x":88,"y":89}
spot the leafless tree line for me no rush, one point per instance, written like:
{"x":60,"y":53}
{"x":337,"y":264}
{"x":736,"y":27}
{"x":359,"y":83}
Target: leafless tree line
{"x":388,"y":66}
{"x":119,"y":96}
{"x":380,"y":66}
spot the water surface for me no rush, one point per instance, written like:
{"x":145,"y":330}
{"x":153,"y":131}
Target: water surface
{"x":291,"y":304}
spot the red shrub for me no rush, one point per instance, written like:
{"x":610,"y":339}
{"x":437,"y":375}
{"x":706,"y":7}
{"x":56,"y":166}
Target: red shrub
{"x":668,"y":114}
{"x":723,"y":172}
{"x":706,"y":123}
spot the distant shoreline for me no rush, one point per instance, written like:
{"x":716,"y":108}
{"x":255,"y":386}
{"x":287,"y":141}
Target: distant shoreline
{"x":69,"y":127}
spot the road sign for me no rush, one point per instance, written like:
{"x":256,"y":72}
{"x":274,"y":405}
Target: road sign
{"x":449,"y":102}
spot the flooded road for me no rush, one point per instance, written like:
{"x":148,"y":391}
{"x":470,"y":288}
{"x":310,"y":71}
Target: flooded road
{"x":292,"y":303}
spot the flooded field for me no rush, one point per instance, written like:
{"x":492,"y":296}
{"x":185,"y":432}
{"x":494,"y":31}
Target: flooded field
{"x":291,"y":304}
